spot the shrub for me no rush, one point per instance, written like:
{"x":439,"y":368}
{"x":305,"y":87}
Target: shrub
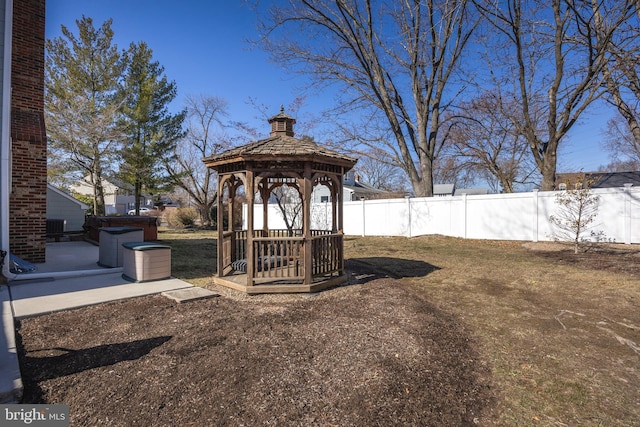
{"x":181,"y":217}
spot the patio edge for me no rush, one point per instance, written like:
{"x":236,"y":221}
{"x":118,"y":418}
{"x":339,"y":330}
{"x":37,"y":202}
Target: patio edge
{"x":11,"y":386}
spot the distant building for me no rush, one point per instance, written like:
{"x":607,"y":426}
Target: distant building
{"x":572,"y":180}
{"x":118,"y":197}
{"x":441,"y":190}
{"x":62,"y":206}
{"x":353,"y":189}
{"x":470,"y":191}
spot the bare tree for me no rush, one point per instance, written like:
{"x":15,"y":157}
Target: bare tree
{"x":620,"y":141}
{"x":551,"y":48}
{"x":620,"y":166}
{"x":187,"y":171}
{"x":380,"y":174}
{"x":622,"y":75}
{"x":447,"y":169}
{"x":395,"y":61}
{"x":486,"y":141}
{"x":290,"y":206}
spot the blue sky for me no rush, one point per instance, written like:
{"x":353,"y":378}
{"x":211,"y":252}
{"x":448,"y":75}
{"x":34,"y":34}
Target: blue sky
{"x":201,"y":44}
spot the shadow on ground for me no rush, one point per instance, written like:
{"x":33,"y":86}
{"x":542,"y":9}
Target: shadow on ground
{"x":395,"y":268}
{"x":51,"y":363}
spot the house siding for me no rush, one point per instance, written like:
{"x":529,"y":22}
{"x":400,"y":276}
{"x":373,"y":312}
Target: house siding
{"x":61,"y":207}
{"x":116,"y":200}
{"x":27,"y":211}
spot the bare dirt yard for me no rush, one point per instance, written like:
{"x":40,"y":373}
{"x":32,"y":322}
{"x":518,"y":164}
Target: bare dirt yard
{"x":429,"y":331}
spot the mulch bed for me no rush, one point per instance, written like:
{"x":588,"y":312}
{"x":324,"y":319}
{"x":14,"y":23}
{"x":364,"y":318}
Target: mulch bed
{"x":614,"y":257}
{"x":371,"y":353}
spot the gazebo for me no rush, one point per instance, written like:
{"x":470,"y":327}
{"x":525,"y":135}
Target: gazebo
{"x":302,"y":258}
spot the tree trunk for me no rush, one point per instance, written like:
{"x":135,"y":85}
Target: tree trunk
{"x":549,"y":171}
{"x":99,"y":202}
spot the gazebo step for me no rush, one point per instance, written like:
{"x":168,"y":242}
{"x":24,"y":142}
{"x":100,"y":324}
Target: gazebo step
{"x":279,"y":288}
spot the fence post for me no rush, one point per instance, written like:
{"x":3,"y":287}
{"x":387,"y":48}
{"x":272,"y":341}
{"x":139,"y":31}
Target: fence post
{"x":363,"y":217}
{"x":535,"y":215}
{"x":627,"y":213}
{"x":409,"y":214}
{"x":464,"y":215}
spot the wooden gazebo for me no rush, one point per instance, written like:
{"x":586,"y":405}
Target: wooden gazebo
{"x":263,"y":260}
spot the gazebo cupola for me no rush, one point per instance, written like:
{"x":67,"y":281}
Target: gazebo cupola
{"x":255,"y":258}
{"x":282,"y":124}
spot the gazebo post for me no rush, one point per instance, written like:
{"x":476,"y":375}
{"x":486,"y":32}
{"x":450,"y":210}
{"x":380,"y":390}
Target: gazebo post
{"x":340,"y":201}
{"x":250,"y":201}
{"x":220,"y":216}
{"x":335,"y":193}
{"x":340,"y":220}
{"x":264,"y":195}
{"x":306,"y":223}
{"x":230,"y":215}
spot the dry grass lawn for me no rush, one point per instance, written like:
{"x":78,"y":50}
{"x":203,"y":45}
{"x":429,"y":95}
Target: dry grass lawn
{"x":561,"y":332}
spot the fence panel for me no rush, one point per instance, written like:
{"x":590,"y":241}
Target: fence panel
{"x":516,"y":216}
{"x":509,"y":217}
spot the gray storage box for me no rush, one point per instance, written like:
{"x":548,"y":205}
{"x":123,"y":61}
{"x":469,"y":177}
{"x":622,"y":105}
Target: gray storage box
{"x":145,"y":261}
{"x":111,"y":240}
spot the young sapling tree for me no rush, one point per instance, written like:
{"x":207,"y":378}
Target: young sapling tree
{"x":577,"y":210}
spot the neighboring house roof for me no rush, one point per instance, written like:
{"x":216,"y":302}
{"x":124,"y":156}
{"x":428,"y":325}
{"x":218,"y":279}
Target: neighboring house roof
{"x":471,"y":191}
{"x":598,"y":179}
{"x":67,"y":196}
{"x":362,"y":190}
{"x":617,"y":179}
{"x":443,"y":189}
{"x":117,"y":182}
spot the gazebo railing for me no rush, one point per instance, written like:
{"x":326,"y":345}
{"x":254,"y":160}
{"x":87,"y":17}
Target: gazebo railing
{"x":288,"y":233}
{"x":278,"y":233}
{"x":277,"y":258}
{"x":280,"y":257}
{"x":327,"y":253}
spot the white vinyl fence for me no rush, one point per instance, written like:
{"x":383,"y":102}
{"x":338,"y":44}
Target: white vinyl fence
{"x":516,"y":216}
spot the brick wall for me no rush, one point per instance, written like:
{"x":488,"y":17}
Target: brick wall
{"x":27,"y":211}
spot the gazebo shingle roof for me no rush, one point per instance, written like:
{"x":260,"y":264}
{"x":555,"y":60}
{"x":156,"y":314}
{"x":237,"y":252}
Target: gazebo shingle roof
{"x":281,"y":146}
{"x":278,"y":146}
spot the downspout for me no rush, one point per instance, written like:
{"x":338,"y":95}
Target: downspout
{"x":5,"y":140}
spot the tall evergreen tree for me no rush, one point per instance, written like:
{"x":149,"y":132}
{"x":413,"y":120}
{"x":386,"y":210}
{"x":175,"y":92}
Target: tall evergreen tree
{"x":151,"y":130}
{"x":82,"y":77}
